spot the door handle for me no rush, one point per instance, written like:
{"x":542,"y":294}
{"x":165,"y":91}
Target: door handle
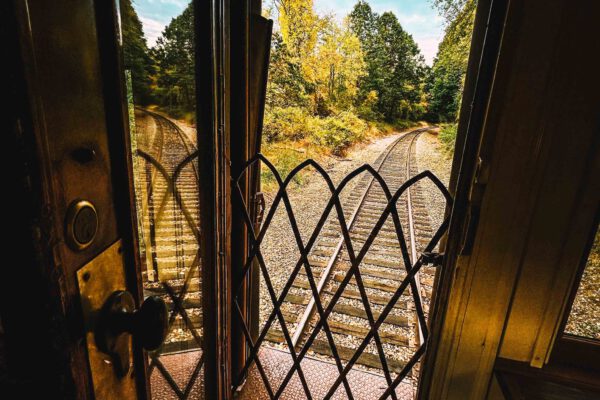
{"x":118,"y":319}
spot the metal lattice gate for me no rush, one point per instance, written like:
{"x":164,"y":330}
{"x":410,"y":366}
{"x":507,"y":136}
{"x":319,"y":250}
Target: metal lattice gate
{"x":298,"y":350}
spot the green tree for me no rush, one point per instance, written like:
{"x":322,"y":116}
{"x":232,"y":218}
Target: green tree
{"x":362,"y":21}
{"x":450,"y":9}
{"x":450,"y":65}
{"x":315,"y":62}
{"x":136,"y":54}
{"x":286,"y":86}
{"x":395,"y":66}
{"x":174,"y":55}
{"x":444,"y":87}
{"x":402,"y":68}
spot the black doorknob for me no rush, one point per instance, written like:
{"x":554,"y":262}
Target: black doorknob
{"x":118,"y":317}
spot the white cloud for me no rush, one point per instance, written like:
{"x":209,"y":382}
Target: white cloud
{"x":179,"y":3}
{"x":411,"y":19}
{"x":152,"y":29}
{"x":429,"y":47}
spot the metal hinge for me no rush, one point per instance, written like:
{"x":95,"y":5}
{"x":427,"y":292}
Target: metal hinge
{"x":431,"y":258}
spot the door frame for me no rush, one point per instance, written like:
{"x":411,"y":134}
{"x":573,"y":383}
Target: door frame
{"x":505,"y":297}
{"x":117,"y":120}
{"x":213,"y":136}
{"x":485,"y":46}
{"x":213,"y":130}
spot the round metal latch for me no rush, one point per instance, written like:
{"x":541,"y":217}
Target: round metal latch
{"x":81,"y":224}
{"x":118,"y":317}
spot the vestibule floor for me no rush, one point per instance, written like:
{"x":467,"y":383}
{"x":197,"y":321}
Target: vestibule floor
{"x":319,"y":375}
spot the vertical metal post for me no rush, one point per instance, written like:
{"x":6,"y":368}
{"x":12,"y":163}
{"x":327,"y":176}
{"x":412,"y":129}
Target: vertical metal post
{"x":239,"y":39}
{"x":212,"y":82}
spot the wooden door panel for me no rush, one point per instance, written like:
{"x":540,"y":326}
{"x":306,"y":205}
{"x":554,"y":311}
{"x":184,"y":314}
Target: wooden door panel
{"x":75,"y":151}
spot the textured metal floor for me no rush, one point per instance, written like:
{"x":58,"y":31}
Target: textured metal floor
{"x":320,"y":376}
{"x":180,"y":367}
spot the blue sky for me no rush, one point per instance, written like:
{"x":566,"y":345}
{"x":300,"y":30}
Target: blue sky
{"x":416,"y":16}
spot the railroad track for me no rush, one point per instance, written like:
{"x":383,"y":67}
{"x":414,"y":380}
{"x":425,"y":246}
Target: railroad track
{"x":171,"y":237}
{"x":382,"y":270}
{"x":169,"y":213}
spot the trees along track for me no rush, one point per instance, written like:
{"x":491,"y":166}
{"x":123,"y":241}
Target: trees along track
{"x":382,"y":269}
{"x":170,"y":217}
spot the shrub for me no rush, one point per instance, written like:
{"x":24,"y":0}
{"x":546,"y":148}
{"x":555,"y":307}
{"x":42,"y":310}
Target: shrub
{"x":289,"y":123}
{"x":339,"y":132}
{"x":335,"y":132}
{"x":448,"y":137}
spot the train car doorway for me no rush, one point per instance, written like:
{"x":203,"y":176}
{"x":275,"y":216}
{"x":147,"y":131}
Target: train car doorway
{"x":146,"y":269}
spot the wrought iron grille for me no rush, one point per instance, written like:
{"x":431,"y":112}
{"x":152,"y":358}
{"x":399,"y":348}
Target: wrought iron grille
{"x":356,"y":256}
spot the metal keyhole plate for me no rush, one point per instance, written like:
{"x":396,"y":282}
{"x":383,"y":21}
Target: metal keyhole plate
{"x":81,"y":224}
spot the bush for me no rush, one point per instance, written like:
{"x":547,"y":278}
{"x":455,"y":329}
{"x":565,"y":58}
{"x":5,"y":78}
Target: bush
{"x":335,"y":132}
{"x":289,"y":123}
{"x":448,"y":137}
{"x":339,"y":132}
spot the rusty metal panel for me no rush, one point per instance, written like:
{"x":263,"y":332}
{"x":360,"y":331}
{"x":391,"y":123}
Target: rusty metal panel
{"x":320,"y":375}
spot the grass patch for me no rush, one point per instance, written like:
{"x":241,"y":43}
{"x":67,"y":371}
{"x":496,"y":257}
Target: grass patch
{"x":447,"y":137}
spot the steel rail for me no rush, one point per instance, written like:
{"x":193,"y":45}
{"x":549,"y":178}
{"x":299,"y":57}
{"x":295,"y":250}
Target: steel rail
{"x":302,"y":325}
{"x":163,"y":122}
{"x":185,"y":140}
{"x":392,"y":169}
{"x":180,"y":133}
{"x":412,"y":233}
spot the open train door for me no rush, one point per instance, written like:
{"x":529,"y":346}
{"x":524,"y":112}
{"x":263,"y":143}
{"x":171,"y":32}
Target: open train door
{"x":526,"y":210}
{"x":101,"y":305}
{"x":129,"y":233}
{"x":96,"y":320}
{"x":72,"y":181}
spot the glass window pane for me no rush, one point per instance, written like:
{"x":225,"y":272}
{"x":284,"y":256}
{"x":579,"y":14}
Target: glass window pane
{"x":158,"y":52}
